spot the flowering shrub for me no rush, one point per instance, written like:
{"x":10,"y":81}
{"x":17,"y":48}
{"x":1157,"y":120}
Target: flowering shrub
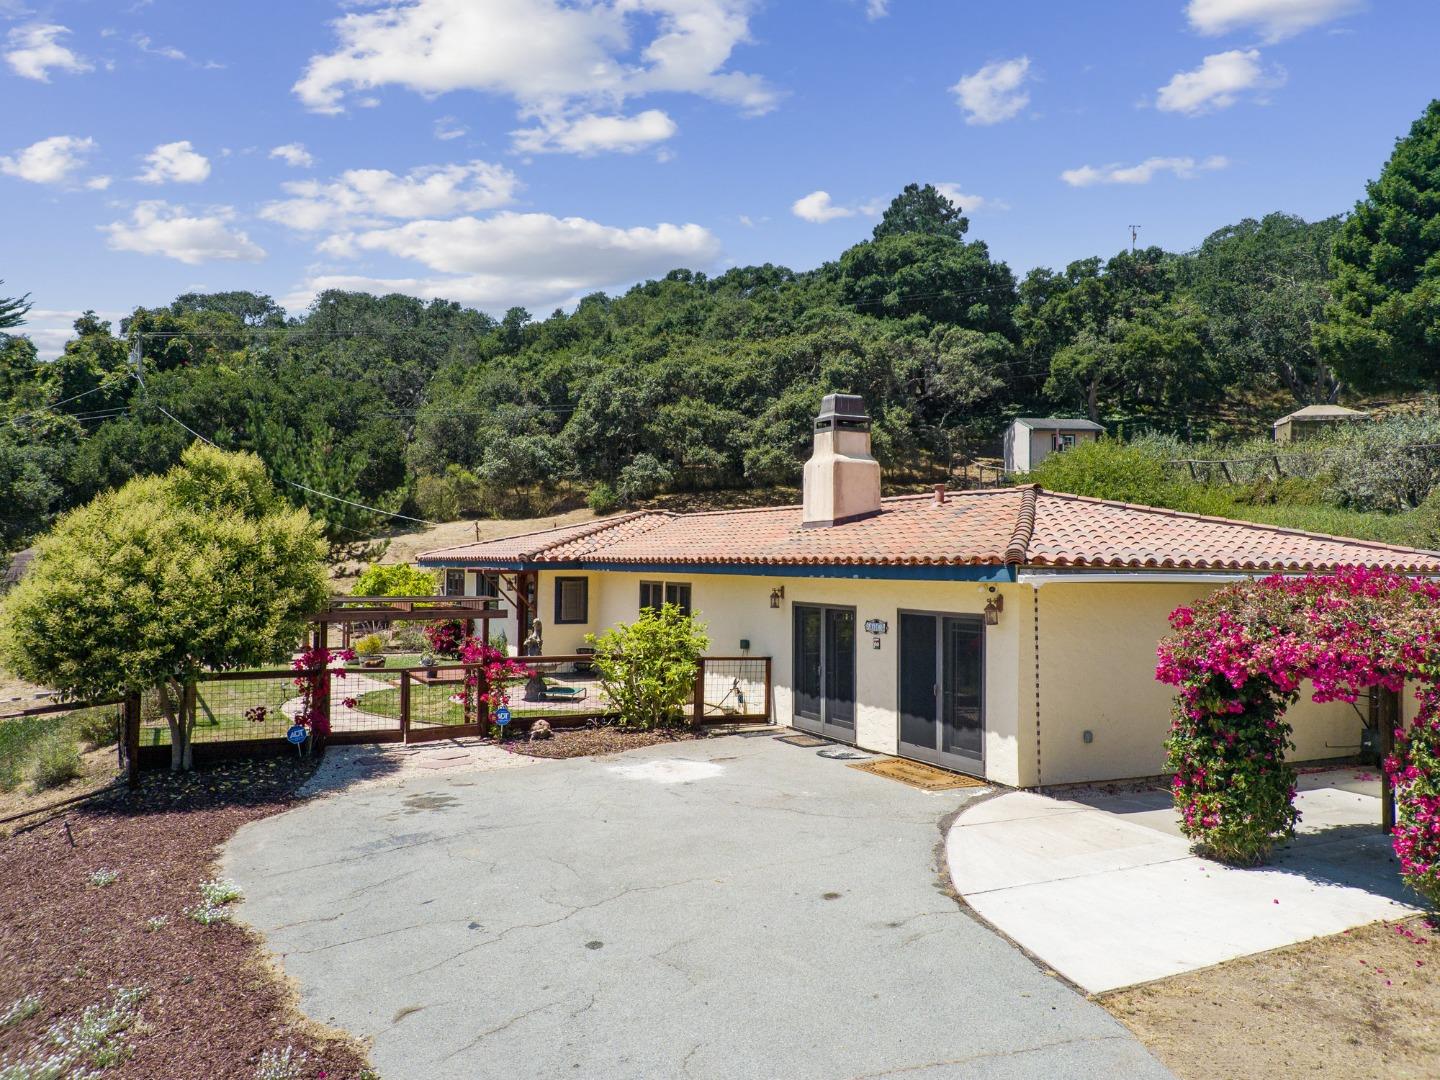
{"x":1239,"y":658}
{"x":315,"y":668}
{"x":487,"y":674}
{"x":446,"y":638}
{"x":1414,"y":772}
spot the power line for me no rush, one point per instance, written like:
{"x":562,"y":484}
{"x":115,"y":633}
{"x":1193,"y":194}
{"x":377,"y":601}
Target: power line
{"x":62,"y":401}
{"x":292,"y":483}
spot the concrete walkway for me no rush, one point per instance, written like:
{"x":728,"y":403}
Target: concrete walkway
{"x":735,"y":907}
{"x":1103,"y":887}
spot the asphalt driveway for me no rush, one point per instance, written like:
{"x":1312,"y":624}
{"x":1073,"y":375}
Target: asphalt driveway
{"x":730,"y":908}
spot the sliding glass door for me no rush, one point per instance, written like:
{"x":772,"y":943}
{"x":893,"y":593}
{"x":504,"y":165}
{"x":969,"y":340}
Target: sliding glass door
{"x":942,"y":689}
{"x":823,"y":663}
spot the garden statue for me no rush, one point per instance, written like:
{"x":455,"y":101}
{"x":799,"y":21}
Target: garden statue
{"x":535,"y":685}
{"x":534,"y":646}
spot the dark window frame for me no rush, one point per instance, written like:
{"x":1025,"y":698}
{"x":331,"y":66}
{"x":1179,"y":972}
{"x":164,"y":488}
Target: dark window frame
{"x":454,"y":575}
{"x":584,"y":584}
{"x":663,"y":591}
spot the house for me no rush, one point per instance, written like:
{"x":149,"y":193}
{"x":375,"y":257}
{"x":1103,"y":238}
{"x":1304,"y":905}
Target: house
{"x":1314,"y":420}
{"x":1007,"y":633}
{"x":1030,"y":440}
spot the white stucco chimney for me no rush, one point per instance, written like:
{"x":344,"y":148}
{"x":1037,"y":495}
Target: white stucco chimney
{"x":842,"y":479}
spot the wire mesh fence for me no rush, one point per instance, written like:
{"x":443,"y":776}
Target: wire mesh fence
{"x":26,"y":733}
{"x":734,"y":688}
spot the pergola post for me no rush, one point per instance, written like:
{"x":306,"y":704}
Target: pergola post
{"x":1388,"y":719}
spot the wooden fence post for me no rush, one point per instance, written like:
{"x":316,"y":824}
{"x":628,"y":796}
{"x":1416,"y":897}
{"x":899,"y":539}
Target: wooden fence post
{"x":769,"y":690}
{"x":1388,"y":720}
{"x":698,"y":717}
{"x":130,"y":712}
{"x":405,"y":706}
{"x":324,"y":685}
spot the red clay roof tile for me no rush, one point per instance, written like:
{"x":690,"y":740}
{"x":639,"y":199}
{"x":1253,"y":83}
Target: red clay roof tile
{"x":1024,"y":526}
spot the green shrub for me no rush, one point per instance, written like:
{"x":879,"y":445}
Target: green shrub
{"x":648,"y":667}
{"x":370,"y":645}
{"x":642,"y":479}
{"x":55,"y":760}
{"x":96,"y":727}
{"x":1111,"y":469}
{"x":436,"y":499}
{"x":395,"y":579}
{"x":602,"y":499}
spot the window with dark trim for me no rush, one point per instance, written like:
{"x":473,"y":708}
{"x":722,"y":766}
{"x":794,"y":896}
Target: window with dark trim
{"x":486,"y":584}
{"x":572,"y":599}
{"x":454,"y":582}
{"x":655,"y":593}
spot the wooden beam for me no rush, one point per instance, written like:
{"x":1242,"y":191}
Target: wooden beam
{"x":353,"y":615}
{"x":1387,"y":721}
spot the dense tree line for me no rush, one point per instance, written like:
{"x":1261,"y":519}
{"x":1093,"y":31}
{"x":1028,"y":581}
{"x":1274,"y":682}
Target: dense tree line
{"x":700,"y":381}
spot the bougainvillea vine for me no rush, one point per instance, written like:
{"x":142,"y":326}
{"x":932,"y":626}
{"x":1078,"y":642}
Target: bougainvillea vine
{"x":1240,"y":658}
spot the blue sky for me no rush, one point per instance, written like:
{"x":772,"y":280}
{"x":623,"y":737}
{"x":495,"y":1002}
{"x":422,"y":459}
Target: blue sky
{"x":505,"y":152}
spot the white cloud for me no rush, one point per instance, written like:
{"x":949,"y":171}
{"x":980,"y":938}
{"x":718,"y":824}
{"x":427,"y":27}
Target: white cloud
{"x":1185,"y":168}
{"x":994,"y":93}
{"x":970,"y":204}
{"x":51,"y":328}
{"x":361,"y":197}
{"x":50,"y":161}
{"x":146,"y":45}
{"x":509,"y":258}
{"x":559,"y":62}
{"x":158,"y":228}
{"x":176,"y":162}
{"x":294,"y":154}
{"x":1217,"y":83}
{"x":35,"y":50}
{"x":877,"y":9}
{"x":1275,"y":19}
{"x":817,"y":207}
{"x":590,"y":134}
{"x":447,"y":128}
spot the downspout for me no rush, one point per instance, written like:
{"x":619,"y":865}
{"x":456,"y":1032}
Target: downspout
{"x":1017,"y":554}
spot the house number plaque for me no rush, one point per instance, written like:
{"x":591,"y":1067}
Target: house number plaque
{"x":876,"y":626}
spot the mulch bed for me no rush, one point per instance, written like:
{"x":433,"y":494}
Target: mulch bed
{"x":213,"y":1004}
{"x":588,"y":742}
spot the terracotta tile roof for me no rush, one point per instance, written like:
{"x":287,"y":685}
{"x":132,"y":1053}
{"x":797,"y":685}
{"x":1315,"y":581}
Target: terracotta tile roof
{"x":1016,"y":526}
{"x":1071,"y":530}
{"x":527,"y":547}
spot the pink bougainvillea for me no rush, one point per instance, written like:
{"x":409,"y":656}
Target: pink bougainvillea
{"x":487,"y":673}
{"x":1239,"y":658}
{"x":314,"y":669}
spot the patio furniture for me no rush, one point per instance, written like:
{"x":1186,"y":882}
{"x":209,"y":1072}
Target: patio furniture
{"x":565,"y":693}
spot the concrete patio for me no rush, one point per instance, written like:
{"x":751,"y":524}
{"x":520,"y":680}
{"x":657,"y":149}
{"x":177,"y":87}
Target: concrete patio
{"x":1103,"y":887}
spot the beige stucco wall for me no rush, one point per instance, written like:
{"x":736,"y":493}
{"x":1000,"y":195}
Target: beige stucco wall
{"x":1096,"y":672}
{"x":736,"y":607}
{"x":1095,"y":643}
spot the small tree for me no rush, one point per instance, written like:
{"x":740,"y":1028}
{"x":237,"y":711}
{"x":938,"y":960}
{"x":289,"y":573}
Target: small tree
{"x":206,"y":568}
{"x":648,"y":667}
{"x":395,"y":579}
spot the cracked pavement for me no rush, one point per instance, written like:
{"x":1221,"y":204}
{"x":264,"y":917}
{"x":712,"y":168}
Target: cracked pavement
{"x":779,"y":915}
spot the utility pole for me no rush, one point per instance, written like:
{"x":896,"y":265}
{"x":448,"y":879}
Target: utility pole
{"x":137,"y":358}
{"x":1134,"y":233}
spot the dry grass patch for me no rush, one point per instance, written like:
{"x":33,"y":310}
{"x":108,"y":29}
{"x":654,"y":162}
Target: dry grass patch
{"x":1354,"y":1006}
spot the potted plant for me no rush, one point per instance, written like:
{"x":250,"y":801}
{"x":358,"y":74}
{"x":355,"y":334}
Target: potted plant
{"x":369,"y":649}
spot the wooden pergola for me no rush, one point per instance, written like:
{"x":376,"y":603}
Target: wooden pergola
{"x":346,"y":611}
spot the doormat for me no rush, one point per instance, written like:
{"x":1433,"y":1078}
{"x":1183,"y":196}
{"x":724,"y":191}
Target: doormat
{"x":924,"y":777}
{"x":807,"y":741}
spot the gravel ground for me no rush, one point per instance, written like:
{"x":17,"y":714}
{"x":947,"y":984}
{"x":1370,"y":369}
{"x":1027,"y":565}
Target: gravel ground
{"x":213,"y":1005}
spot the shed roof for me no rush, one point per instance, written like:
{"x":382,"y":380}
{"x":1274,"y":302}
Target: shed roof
{"x":1323,"y":412}
{"x":1057,"y":423}
{"x":1000,"y":527}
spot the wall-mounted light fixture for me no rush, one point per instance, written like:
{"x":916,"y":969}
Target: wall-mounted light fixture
{"x":993,"y":607}
{"x":776,"y":595}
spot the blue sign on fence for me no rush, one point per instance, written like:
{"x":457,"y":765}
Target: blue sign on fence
{"x":502,"y":716}
{"x":297,"y":734}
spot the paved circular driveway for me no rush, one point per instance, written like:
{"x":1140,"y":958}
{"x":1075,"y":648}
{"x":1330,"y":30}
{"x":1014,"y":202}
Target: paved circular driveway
{"x":730,"y":908}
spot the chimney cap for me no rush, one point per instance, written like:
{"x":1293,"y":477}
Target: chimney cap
{"x":843,"y":410}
